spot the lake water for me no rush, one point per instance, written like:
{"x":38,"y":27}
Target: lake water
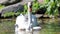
{"x":49,"y":26}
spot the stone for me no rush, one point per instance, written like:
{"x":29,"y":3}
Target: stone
{"x":13,"y":8}
{"x":8,"y":2}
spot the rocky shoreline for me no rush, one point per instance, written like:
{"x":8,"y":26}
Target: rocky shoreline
{"x":12,"y":5}
{"x":15,"y":6}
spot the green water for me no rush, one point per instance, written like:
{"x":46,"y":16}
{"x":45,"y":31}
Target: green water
{"x":7,"y":26}
{"x":49,"y":26}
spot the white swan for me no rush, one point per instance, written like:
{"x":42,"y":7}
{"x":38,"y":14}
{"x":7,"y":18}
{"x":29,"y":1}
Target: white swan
{"x":28,"y":22}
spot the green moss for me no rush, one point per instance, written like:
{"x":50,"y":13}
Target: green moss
{"x":1,"y":6}
{"x":10,"y":14}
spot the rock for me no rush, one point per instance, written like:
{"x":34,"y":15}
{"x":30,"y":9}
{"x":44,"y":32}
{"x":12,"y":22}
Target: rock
{"x":8,"y":2}
{"x":13,"y":8}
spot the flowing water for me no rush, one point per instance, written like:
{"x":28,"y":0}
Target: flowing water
{"x":49,"y":26}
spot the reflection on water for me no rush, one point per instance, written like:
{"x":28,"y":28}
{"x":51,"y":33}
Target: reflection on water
{"x":49,"y":26}
{"x":6,"y":26}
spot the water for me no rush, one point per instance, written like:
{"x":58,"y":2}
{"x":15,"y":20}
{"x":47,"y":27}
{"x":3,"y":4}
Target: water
{"x":49,"y":26}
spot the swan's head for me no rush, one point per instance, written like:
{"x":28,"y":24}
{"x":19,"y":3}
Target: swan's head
{"x":29,"y":6}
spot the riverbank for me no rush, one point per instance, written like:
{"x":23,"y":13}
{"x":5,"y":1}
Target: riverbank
{"x":39,"y":16}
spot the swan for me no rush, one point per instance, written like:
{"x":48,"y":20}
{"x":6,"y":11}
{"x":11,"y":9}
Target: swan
{"x":26,"y":22}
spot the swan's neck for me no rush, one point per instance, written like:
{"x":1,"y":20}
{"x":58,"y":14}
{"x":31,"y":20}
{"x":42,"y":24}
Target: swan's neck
{"x":29,"y":13}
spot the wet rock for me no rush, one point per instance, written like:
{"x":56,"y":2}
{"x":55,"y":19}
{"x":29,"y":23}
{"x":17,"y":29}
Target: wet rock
{"x":13,"y":8}
{"x":8,"y":2}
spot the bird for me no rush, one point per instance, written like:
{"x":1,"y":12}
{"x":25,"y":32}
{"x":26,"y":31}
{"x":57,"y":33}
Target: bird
{"x":26,"y":22}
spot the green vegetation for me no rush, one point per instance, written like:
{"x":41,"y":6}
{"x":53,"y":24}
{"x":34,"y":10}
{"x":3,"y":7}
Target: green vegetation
{"x":1,"y":6}
{"x":11,"y":14}
{"x":8,"y":14}
{"x":35,"y":6}
{"x":51,"y":7}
